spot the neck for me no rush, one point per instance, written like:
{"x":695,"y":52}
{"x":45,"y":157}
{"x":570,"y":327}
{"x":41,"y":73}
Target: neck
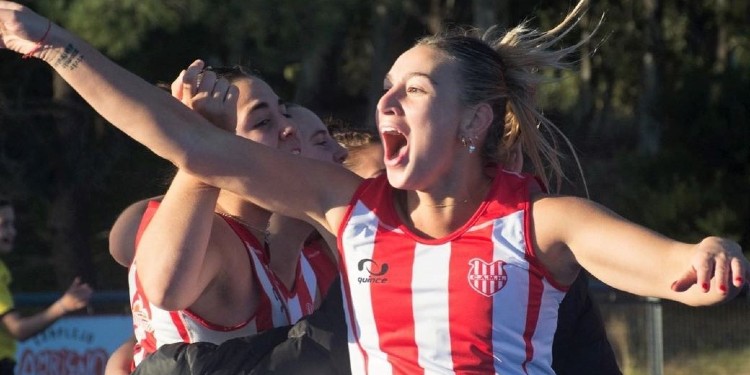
{"x":442,"y":209}
{"x":286,"y":239}
{"x":250,"y":215}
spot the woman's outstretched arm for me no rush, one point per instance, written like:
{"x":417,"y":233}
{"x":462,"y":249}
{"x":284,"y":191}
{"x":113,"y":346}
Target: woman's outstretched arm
{"x":282,"y":183}
{"x":629,"y":257}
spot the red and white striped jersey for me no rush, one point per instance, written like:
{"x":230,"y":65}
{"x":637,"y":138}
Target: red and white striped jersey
{"x":474,"y":302}
{"x":154,"y":327}
{"x":315,"y":273}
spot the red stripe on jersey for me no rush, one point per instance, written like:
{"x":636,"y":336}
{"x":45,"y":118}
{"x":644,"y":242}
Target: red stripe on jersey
{"x":305,"y":302}
{"x":148,"y":214}
{"x":536,"y":289}
{"x":148,"y":344}
{"x":325,"y":270}
{"x":180,"y":325}
{"x":395,"y":321}
{"x":471,"y":313}
{"x":214,"y":326}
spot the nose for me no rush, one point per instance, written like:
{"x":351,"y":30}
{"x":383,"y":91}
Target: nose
{"x":340,"y":154}
{"x":389,"y":103}
{"x":287,"y":130}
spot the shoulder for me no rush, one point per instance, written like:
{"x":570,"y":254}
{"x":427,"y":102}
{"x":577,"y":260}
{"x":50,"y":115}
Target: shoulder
{"x":122,"y":235}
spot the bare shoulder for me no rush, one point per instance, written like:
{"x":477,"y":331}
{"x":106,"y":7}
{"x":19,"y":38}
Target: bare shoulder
{"x":553,"y":218}
{"x":124,"y":230}
{"x":342,"y":185}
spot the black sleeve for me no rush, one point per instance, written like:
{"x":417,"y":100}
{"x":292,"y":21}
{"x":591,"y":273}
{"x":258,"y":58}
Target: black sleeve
{"x":580,"y":345}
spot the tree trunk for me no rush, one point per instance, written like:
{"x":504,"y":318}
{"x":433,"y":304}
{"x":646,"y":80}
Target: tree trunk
{"x":582,"y":112}
{"x":648,"y":125}
{"x":485,"y":13}
{"x":68,"y":208}
{"x":316,"y":64}
{"x":387,"y":26}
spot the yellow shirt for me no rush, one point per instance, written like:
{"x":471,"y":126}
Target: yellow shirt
{"x":7,"y":342}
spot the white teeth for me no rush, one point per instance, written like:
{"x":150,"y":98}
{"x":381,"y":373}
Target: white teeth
{"x":391,"y":131}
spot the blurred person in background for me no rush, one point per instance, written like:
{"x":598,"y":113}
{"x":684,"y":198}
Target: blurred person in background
{"x":14,"y":326}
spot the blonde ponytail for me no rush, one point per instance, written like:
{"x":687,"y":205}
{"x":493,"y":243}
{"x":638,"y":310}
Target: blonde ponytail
{"x":502,"y":69}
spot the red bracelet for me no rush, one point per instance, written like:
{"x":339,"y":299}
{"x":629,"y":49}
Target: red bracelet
{"x":39,"y":44}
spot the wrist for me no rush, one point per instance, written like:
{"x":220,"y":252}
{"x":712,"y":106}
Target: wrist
{"x":40,"y":44}
{"x":62,"y":310}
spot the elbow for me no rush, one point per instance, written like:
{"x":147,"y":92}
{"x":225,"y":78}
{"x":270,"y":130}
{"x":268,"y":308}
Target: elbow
{"x":22,"y":337}
{"x":19,"y":333}
{"x":165,"y":302}
{"x":164,"y":297}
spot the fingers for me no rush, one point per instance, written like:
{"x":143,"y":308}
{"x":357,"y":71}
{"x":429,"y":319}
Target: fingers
{"x":704,"y":267}
{"x":176,"y":87}
{"x":687,"y":280}
{"x":213,"y":97}
{"x":721,"y":273}
{"x":206,"y":82}
{"x":740,"y":271}
{"x":20,"y":28}
{"x":716,"y":265}
{"x":190,"y":79}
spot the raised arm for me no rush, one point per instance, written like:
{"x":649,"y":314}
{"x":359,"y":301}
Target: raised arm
{"x":175,"y":258}
{"x":306,"y":189}
{"x":21,"y":328}
{"x":632,"y":258}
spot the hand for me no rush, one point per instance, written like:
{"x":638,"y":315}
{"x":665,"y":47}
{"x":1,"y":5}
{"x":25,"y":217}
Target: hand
{"x":715,"y":263}
{"x":20,"y":28}
{"x":77,"y":296}
{"x":214,"y":98}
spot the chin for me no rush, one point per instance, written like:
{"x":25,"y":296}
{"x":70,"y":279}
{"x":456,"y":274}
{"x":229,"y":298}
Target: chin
{"x":402,"y":180}
{"x":396,"y":178}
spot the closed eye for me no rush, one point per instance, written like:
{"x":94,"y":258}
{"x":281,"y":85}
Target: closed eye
{"x":262,"y":123}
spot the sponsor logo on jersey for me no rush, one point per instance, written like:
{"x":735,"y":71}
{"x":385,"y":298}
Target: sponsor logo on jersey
{"x":487,"y":278}
{"x":375,"y":272}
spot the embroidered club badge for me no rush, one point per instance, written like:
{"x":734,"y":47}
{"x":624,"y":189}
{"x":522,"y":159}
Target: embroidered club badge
{"x":487,"y":278}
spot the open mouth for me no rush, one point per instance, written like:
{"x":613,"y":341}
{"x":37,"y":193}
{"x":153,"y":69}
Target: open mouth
{"x":394,"y":143}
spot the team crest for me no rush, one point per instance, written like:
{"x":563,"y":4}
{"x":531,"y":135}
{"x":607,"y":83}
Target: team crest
{"x":487,"y":278}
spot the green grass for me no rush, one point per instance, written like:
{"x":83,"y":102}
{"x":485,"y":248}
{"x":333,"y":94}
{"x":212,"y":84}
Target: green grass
{"x":719,"y":362}
{"x":707,"y":340}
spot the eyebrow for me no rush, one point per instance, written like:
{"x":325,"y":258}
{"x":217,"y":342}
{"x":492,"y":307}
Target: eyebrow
{"x":319,"y":132}
{"x":257,"y":106}
{"x":414,"y":74}
{"x":263,"y":105}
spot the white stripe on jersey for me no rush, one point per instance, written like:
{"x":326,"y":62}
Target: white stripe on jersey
{"x":278,"y":316}
{"x":510,"y":245}
{"x":507,"y":238}
{"x":359,"y":240}
{"x":311,"y":281}
{"x":431,"y":314}
{"x":295,"y":310}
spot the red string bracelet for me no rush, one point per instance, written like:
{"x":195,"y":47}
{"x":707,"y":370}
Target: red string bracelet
{"x":39,"y":44}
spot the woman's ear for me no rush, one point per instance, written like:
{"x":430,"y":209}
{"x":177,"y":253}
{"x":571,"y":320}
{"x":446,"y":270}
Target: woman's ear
{"x":477,"y":120}
{"x":514,"y":162}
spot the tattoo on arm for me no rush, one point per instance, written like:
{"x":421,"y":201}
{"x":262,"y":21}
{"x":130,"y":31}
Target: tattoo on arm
{"x":70,"y":58}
